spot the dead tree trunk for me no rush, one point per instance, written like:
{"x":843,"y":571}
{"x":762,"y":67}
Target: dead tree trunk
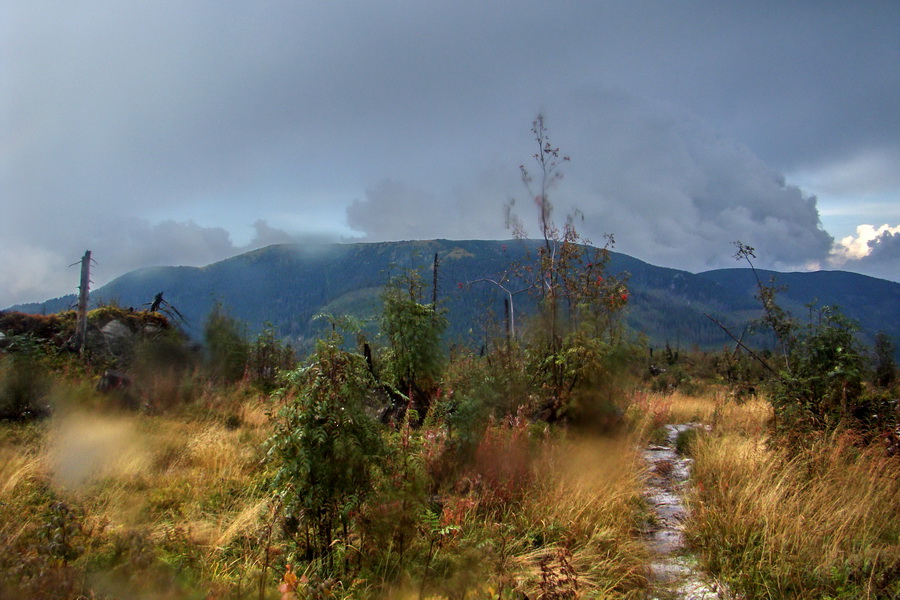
{"x":83,"y":292}
{"x":508,"y":308}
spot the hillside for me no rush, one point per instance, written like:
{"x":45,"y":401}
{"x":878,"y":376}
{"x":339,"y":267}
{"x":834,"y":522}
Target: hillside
{"x":285,"y":286}
{"x":873,"y":303}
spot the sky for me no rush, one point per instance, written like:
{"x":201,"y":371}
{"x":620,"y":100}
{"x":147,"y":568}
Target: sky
{"x":182,"y":133}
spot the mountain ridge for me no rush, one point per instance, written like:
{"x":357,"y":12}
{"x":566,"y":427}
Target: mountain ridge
{"x":285,"y":285}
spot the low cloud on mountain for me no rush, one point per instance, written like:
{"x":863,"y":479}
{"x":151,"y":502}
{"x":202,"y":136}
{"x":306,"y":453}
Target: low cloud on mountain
{"x":121,"y":245}
{"x":672,"y":191}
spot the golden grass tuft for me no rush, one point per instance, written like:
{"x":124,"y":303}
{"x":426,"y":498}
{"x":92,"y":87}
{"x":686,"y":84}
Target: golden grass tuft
{"x":650,"y":410}
{"x":15,"y":467}
{"x":87,"y":446}
{"x":810,"y":524}
{"x":239,"y":524}
{"x":587,"y":509}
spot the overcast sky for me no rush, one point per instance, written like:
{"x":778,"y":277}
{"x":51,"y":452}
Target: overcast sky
{"x":180,"y":133}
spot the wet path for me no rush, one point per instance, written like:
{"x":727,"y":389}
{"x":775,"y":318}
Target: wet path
{"x":672,"y":569}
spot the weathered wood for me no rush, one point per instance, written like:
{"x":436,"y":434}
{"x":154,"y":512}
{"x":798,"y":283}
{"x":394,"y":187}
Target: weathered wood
{"x":83,"y":293}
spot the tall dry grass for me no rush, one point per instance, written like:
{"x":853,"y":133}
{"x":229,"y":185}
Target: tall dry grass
{"x":820,"y":523}
{"x":176,"y":505}
{"x":572,"y":532}
{"x":587,"y":509}
{"x":648,"y":411}
{"x":181,"y":494}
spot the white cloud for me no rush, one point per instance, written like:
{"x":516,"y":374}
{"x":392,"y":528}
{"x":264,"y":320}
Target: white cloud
{"x":868,"y":173}
{"x":861,"y":245}
{"x":395,"y":210}
{"x":670,"y":188}
{"x":676,"y":192}
{"x":873,"y":250}
{"x":30,"y":271}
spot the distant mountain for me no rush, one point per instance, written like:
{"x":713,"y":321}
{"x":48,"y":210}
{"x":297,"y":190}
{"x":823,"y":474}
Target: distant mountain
{"x":285,"y":286}
{"x":873,"y":303}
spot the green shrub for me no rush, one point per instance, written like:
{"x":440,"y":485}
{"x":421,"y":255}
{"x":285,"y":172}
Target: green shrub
{"x":163,"y":370}
{"x":885,"y":368}
{"x":414,"y":330}
{"x":817,"y":383}
{"x":325,"y":448}
{"x":227,"y":348}
{"x":821,"y":384}
{"x":267,"y":358}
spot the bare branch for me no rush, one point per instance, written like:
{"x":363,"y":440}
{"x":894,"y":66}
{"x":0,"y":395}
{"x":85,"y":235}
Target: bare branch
{"x":742,"y":345}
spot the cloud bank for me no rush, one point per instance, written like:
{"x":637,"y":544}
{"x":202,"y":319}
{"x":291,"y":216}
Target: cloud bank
{"x":165,"y":132}
{"x":668,"y":187}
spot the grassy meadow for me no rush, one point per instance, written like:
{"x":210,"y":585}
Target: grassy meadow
{"x":100,"y":504}
{"x":95,"y":503}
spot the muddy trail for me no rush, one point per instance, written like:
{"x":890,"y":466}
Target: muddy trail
{"x":674,"y":572}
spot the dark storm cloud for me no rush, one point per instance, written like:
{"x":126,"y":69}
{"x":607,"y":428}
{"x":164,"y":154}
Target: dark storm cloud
{"x":669,"y":188}
{"x":122,"y":117}
{"x":885,"y":247}
{"x":801,"y":83}
{"x":677,"y":192}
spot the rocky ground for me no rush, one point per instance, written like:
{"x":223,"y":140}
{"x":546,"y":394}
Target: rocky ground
{"x":674,"y":571}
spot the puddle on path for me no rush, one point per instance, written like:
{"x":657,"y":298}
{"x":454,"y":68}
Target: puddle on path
{"x":673,"y":573}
